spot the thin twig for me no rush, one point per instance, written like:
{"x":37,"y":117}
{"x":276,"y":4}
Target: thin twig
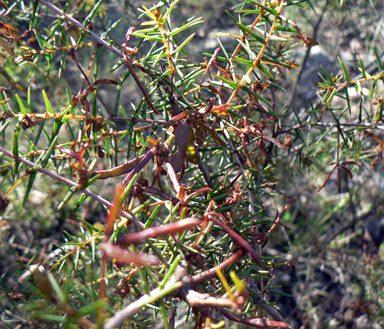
{"x":153,"y":232}
{"x":259,"y":55}
{"x":240,"y":241}
{"x":68,"y":182}
{"x":307,"y":53}
{"x":206,"y":275}
{"x":330,"y":125}
{"x":136,"y":306}
{"x":106,"y":45}
{"x":252,"y":209}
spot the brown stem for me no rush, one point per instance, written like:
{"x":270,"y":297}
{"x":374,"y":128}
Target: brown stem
{"x":240,"y":241}
{"x":204,"y":276}
{"x":167,"y":229}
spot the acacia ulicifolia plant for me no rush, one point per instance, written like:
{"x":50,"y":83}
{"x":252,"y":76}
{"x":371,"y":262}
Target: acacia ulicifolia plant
{"x":192,"y":168}
{"x":191,"y":114}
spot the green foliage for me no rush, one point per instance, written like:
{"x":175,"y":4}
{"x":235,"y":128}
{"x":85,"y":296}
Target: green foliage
{"x":142,"y":185}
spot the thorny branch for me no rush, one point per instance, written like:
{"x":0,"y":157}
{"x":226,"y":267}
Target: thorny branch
{"x":105,"y":44}
{"x":181,"y":285}
{"x":68,"y":182}
{"x":330,"y":125}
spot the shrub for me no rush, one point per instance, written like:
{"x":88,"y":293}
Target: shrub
{"x":145,"y":187}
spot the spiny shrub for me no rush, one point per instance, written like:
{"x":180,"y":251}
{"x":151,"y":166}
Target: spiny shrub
{"x":152,"y":179}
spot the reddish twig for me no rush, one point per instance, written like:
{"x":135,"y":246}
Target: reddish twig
{"x":204,"y":276}
{"x":255,"y":322}
{"x":277,"y":221}
{"x":240,"y":241}
{"x":167,"y":229}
